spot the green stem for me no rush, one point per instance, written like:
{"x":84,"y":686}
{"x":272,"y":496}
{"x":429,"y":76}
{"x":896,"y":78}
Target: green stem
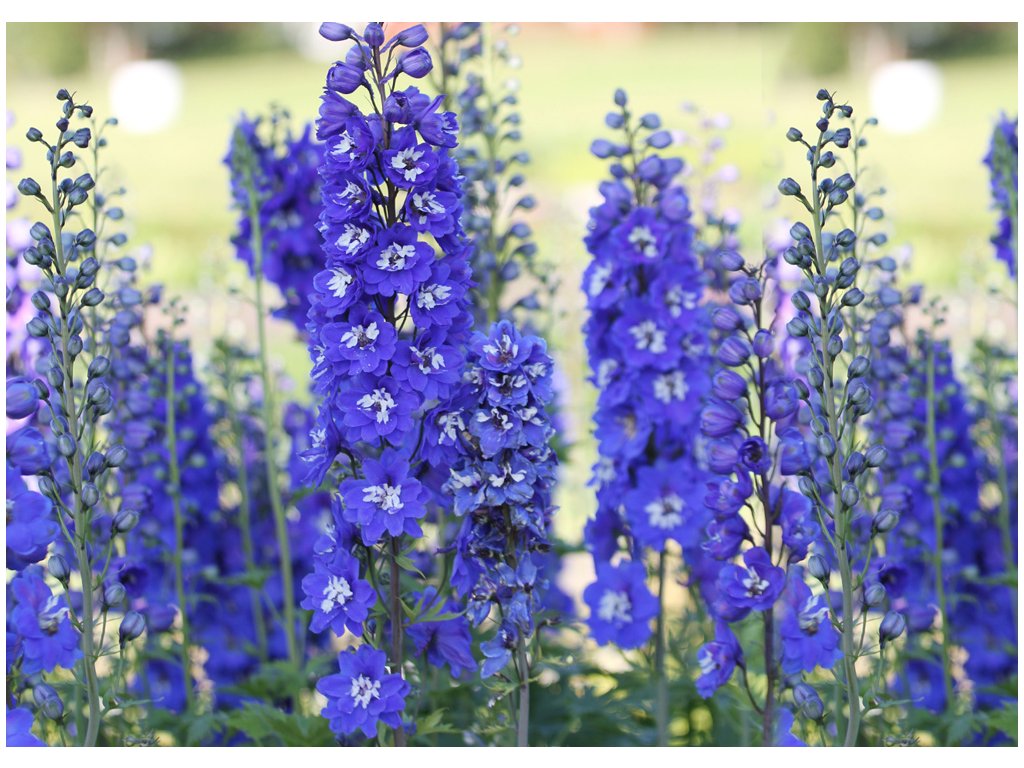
{"x":179,"y":521}
{"x":269,"y":434}
{"x":397,"y":655}
{"x":660,"y":678}
{"x":1005,"y":525}
{"x":523,"y":720}
{"x":840,"y":515}
{"x":245,"y":509}
{"x":935,"y":491}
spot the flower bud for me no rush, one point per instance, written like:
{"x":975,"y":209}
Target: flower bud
{"x":789,"y":187}
{"x":730,"y":261}
{"x":58,"y":568}
{"x":817,"y":566}
{"x":726,"y":319}
{"x":416,"y":63}
{"x":893,"y":625}
{"x":885,"y":521}
{"x":794,"y":134}
{"x":29,"y":187}
{"x":336,"y":32}
{"x":114,"y":594}
{"x":874,"y":595}
{"x":875,"y":456}
{"x":374,"y":34}
{"x":116,"y":456}
{"x":620,"y":97}
{"x":810,"y":703}
{"x":132,"y":625}
{"x":22,"y":398}
{"x":66,"y":445}
{"x":764,"y":344}
{"x":125,"y":520}
{"x":728,"y":385}
{"x":826,"y":446}
{"x":734,"y":351}
{"x":90,"y":495}
{"x":850,"y":495}
{"x":92,"y":298}
{"x":48,"y":701}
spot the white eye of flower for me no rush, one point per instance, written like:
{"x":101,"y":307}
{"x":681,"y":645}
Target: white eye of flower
{"x":706,"y":661}
{"x":345,"y":146}
{"x":754,"y":584}
{"x":615,"y":607}
{"x":647,"y":335}
{"x":666,"y":512}
{"x":643,"y":240}
{"x":812,"y":615}
{"x":318,"y":437}
{"x":393,"y":258}
{"x":336,"y":593}
{"x":361,"y":336}
{"x":351,"y":191}
{"x":405,"y":161}
{"x":450,"y":424}
{"x":599,"y":279}
{"x":670,"y":386}
{"x":339,"y":283}
{"x":352,"y":238}
{"x":387,"y":497}
{"x":431,"y":296}
{"x":504,"y":351}
{"x":426,"y":204}
{"x":379,"y":400}
{"x":364,"y":689}
{"x":428,"y":359}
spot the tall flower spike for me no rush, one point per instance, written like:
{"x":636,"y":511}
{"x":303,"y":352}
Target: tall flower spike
{"x":388,"y":324}
{"x":1002,"y":163}
{"x":647,"y":345}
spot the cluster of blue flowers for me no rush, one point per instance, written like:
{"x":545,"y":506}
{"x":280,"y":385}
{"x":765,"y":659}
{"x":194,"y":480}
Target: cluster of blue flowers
{"x":388,"y":325}
{"x":501,"y":485}
{"x":284,"y":191}
{"x":1002,"y":162}
{"x":648,"y":348}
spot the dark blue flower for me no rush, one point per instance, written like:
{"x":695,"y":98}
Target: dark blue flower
{"x":363,"y":693}
{"x":621,"y":605}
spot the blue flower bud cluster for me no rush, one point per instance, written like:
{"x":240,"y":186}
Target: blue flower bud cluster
{"x":492,"y":163}
{"x":647,"y":341}
{"x":1002,"y":162}
{"x":274,"y":175}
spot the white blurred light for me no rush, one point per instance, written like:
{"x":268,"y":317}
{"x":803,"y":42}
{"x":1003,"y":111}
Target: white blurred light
{"x":145,"y":96}
{"x":906,"y":96}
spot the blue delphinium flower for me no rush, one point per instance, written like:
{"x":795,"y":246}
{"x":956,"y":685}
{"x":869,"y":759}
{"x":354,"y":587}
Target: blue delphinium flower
{"x":337,"y":596}
{"x":1001,"y":160}
{"x":808,"y":638}
{"x":19,"y":729}
{"x":287,"y":204}
{"x":363,"y":693}
{"x":718,"y":659}
{"x":621,"y":605}
{"x":31,"y":526}
{"x":446,"y":641}
{"x":39,"y":623}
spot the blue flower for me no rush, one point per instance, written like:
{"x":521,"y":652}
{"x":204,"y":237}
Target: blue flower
{"x":621,"y":605}
{"x":39,"y":620}
{"x":363,"y":693}
{"x":718,"y":660}
{"x":19,"y":729}
{"x":337,"y":596}
{"x":31,"y":527}
{"x":754,"y":585}
{"x":661,"y":507}
{"x":387,"y":499}
{"x":445,"y":642}
{"x":808,"y":638}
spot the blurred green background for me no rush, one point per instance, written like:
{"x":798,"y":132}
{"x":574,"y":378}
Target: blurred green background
{"x":927,"y":151}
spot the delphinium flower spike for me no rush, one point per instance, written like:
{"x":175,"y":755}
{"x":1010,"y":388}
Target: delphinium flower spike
{"x":502,"y":491}
{"x":387,"y":326}
{"x":1002,"y":163}
{"x":64,"y":446}
{"x":647,"y":344}
{"x":751,"y":424}
{"x":834,"y":386}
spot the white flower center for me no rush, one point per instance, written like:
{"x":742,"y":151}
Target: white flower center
{"x":707,"y":662}
{"x":755,"y":585}
{"x":451,"y":424}
{"x":364,"y":689}
{"x":428,"y":360}
{"x":670,"y":386}
{"x":615,"y":607}
{"x":339,"y":282}
{"x":666,"y":512}
{"x":431,"y":296}
{"x":498,"y":418}
{"x":643,"y":240}
{"x":361,"y":336}
{"x":425,"y":203}
{"x":393,"y":258}
{"x":405,"y":161}
{"x":387,"y":497}
{"x":379,"y":400}
{"x":678,"y":299}
{"x":599,"y":279}
{"x":812,"y":614}
{"x":649,"y":336}
{"x":336,"y":594}
{"x":345,"y":145}
{"x":505,"y":350}
{"x":352,"y":238}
